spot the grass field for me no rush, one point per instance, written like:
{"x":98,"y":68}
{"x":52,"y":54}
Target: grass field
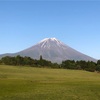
{"x":27,"y":83}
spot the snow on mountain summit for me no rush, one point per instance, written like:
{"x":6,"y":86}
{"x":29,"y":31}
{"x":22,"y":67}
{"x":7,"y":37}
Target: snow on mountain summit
{"x":53,"y":39}
{"x":50,"y":42}
{"x":49,"y":39}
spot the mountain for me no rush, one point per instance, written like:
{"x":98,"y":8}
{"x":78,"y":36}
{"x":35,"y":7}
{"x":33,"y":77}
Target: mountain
{"x":53,"y":50}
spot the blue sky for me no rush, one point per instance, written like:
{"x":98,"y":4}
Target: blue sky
{"x":76,"y":23}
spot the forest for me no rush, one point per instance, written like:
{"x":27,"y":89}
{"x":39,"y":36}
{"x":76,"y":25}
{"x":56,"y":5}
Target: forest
{"x":67,"y":64}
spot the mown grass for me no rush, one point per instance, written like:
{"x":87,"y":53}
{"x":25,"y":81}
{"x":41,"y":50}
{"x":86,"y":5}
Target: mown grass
{"x":27,"y":83}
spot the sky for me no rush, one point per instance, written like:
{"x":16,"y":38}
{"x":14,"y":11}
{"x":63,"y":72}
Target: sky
{"x":23,"y":23}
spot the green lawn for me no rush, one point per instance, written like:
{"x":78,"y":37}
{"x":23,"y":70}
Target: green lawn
{"x":27,"y":83}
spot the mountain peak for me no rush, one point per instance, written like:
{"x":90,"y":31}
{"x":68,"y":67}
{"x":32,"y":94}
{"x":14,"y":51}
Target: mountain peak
{"x":47,"y":39}
{"x":53,"y":50}
{"x":50,"y":42}
{"x":54,"y":39}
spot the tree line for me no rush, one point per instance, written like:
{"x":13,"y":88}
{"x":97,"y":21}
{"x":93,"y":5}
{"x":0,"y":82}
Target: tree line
{"x":26,"y":61}
{"x":67,"y":64}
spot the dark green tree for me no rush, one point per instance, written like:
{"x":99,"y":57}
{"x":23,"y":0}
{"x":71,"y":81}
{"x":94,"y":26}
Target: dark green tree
{"x":0,"y":62}
{"x":91,"y":66}
{"x":98,"y":62}
{"x":41,"y":57}
{"x":19,"y":60}
{"x":98,"y":68}
{"x":6,"y":60}
{"x":28,"y":61}
{"x":68,"y":64}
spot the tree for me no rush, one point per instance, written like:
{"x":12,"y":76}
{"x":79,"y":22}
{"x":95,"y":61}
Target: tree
{"x":41,"y":57}
{"x":0,"y":62}
{"x":28,"y":61}
{"x":81,"y":64}
{"x":98,"y":62}
{"x":91,"y":66}
{"x":69,"y":64}
{"x":19,"y":60}
{"x":98,"y":68}
{"x":6,"y":60}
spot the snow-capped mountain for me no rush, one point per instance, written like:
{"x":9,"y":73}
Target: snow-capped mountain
{"x":53,"y":50}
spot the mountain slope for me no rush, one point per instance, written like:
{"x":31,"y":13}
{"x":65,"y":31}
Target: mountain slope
{"x":53,"y":50}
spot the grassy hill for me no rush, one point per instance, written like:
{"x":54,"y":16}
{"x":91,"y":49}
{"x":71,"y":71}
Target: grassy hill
{"x":27,"y":83}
